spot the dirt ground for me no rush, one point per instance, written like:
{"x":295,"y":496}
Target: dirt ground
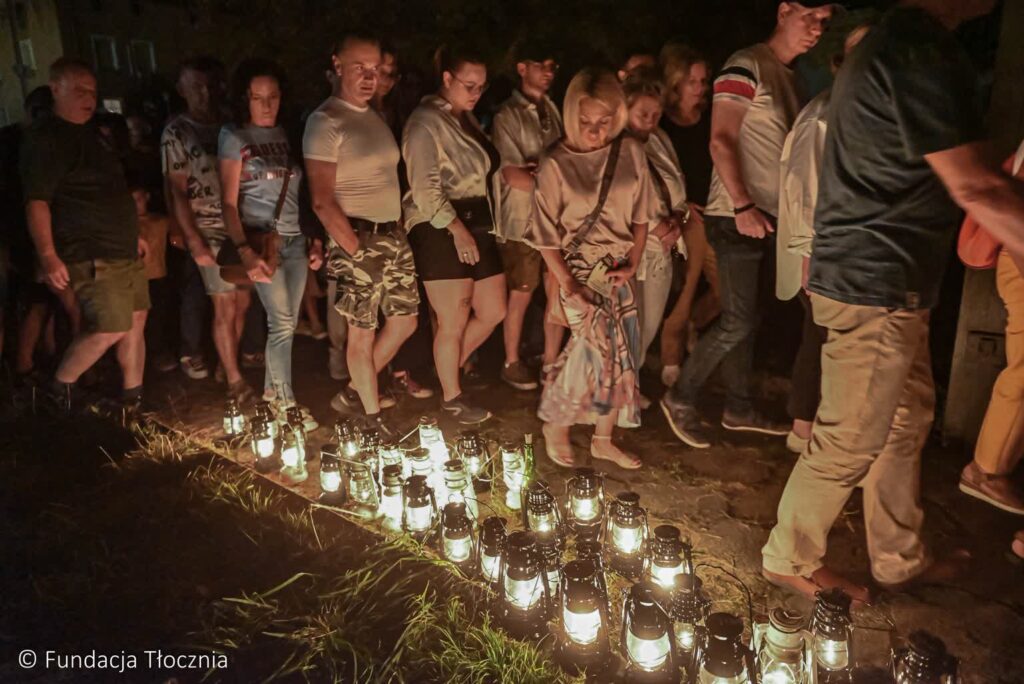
{"x":724,"y":499}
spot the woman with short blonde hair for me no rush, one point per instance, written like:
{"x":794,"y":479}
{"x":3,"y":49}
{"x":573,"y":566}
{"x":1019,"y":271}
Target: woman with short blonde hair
{"x":590,"y":214}
{"x":670,"y":216}
{"x":599,"y":86}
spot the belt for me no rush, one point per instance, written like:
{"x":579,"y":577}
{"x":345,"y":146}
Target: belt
{"x":474,"y":212}
{"x":363,"y":226}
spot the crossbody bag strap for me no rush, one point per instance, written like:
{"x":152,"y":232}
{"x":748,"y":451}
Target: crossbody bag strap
{"x":279,"y":207}
{"x":602,"y":197}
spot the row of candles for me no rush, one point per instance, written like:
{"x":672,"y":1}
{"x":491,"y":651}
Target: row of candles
{"x":667,"y":631}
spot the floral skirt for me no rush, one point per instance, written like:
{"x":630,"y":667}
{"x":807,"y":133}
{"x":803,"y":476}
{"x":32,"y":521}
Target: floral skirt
{"x":596,"y":373}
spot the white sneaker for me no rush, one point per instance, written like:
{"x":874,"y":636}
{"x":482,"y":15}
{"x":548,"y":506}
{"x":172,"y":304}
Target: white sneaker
{"x":669,"y":375}
{"x":193,"y":367}
{"x":796,"y":443}
{"x":308,"y":421}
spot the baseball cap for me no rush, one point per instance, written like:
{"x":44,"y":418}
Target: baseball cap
{"x":837,"y":7}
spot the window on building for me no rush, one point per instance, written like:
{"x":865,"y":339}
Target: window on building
{"x":21,"y":16}
{"x":104,"y":53}
{"x":143,"y":57}
{"x":28,"y":55}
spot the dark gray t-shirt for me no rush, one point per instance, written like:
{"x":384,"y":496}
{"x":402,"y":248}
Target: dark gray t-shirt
{"x":884,"y":222}
{"x":266,"y":160}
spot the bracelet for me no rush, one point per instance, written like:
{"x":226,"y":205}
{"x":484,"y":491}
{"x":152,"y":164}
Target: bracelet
{"x":745,"y":207}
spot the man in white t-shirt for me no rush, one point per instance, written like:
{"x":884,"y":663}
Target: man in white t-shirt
{"x":352,"y":164}
{"x":755,"y":103}
{"x":189,"y":144}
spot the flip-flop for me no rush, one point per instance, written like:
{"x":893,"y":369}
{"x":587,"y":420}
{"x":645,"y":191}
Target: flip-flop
{"x":627,"y":463}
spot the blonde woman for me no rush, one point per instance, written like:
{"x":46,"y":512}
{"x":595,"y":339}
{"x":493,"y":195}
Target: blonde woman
{"x":671,"y":213}
{"x":592,"y":242}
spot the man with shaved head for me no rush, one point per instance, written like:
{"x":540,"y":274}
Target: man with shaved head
{"x":82,"y":220}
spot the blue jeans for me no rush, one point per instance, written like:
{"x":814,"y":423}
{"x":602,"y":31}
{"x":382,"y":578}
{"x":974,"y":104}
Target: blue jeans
{"x":193,"y":310}
{"x":282,"y":299}
{"x":730,"y":341}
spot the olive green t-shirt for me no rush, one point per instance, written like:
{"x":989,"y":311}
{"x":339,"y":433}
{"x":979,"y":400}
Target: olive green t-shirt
{"x":71,"y":168}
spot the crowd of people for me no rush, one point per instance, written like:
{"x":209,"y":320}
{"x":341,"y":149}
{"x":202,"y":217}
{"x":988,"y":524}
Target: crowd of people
{"x":427,"y":230}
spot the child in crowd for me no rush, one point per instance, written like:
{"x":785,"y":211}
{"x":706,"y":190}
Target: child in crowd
{"x":153,"y":228}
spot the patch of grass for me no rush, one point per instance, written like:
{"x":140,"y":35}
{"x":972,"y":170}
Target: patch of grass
{"x":127,"y":541}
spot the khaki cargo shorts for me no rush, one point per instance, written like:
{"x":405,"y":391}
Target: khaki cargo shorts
{"x":522,"y":265}
{"x":109,"y":291}
{"x":381,"y":276}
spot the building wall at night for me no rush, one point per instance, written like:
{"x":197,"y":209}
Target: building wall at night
{"x":132,"y":44}
{"x":38,"y":40}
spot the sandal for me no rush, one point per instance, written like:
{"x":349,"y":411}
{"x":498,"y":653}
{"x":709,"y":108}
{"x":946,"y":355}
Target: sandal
{"x":559,"y":456}
{"x":625,"y":460}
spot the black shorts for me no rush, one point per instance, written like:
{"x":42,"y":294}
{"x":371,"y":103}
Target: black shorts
{"x":436,"y":258}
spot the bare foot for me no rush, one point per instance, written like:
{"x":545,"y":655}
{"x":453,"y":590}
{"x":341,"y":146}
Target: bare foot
{"x":605,"y":449}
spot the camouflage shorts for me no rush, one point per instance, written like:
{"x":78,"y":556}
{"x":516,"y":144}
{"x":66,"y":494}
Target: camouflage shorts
{"x":380,"y":276}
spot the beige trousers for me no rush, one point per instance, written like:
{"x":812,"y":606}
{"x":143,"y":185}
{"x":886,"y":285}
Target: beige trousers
{"x":877,"y":406}
{"x":1001,"y":441}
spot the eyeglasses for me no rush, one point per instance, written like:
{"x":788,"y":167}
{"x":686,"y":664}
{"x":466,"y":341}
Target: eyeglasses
{"x":473,"y":88}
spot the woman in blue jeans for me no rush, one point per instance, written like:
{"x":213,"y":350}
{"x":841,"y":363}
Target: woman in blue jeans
{"x":260,"y":188}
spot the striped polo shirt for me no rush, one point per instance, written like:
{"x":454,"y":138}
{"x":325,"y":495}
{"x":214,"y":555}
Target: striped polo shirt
{"x":755,"y":78}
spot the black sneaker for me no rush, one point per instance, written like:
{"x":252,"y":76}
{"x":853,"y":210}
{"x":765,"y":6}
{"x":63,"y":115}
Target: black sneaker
{"x":347,"y":401}
{"x":472,"y":379}
{"x":58,"y":396}
{"x":753,"y":421}
{"x":519,"y":376}
{"x":377,"y":422}
{"x":685,"y":423}
{"x":464,"y":412}
{"x":131,"y":408}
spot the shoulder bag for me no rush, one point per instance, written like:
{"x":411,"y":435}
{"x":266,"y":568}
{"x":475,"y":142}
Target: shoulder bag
{"x":263,"y":242}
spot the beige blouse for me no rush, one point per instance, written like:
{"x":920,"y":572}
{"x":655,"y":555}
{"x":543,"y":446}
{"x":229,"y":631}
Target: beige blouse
{"x":521,"y":139}
{"x":663,"y":156}
{"x":568,"y":184}
{"x":443,"y":163}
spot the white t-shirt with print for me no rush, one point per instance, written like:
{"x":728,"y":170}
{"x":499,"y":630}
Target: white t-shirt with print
{"x":191,"y":147}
